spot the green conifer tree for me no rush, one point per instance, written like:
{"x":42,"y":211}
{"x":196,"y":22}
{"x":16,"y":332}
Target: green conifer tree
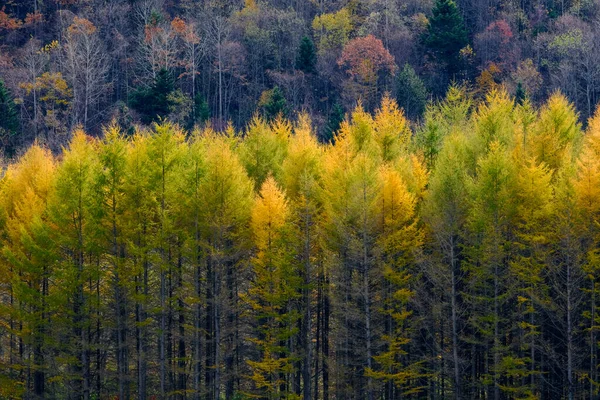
{"x":446,"y":35}
{"x":307,"y":56}
{"x":411,"y":92}
{"x":9,"y":122}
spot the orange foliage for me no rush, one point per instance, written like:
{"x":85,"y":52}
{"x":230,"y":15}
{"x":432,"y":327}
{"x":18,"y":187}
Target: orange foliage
{"x":366,"y":56}
{"x":34,"y":18}
{"x":7,"y":22}
{"x":186,"y":31}
{"x":178,"y":25}
{"x":81,"y":26}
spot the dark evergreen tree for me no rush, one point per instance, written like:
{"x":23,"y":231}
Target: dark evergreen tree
{"x":307,"y":56}
{"x":446,"y":35}
{"x":123,"y":118}
{"x":9,"y":121}
{"x":153,"y":103}
{"x":520,"y":94}
{"x":411,"y":92}
{"x":201,"y":109}
{"x":335,"y":119}
{"x":273,"y":103}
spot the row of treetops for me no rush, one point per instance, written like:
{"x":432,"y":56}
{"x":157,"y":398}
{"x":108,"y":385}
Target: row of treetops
{"x":378,"y":194}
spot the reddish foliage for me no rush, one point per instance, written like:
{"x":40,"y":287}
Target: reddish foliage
{"x":184,"y":30}
{"x":81,"y":26}
{"x":34,"y":18}
{"x":151,"y":31}
{"x":7,"y":22}
{"x":178,"y":25}
{"x":365,"y":56}
{"x":496,"y":44}
{"x":501,"y":28}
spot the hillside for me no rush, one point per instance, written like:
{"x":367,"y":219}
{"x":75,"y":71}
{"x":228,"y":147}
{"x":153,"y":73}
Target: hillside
{"x":66,"y":63}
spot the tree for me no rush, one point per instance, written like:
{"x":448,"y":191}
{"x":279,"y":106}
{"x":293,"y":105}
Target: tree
{"x":565,"y":276}
{"x":86,"y":71}
{"x":53,"y":96}
{"x":446,"y":36}
{"x":158,"y":44}
{"x":302,"y":170}
{"x":264,"y":149}
{"x":273,"y":103}
{"x":411,"y":92}
{"x":72,"y":211}
{"x":391,"y":130}
{"x":520,"y":94}
{"x":587,"y":194}
{"x":140,"y":211}
{"x":334,"y":121}
{"x":307,"y":56}
{"x":194,"y":171}
{"x":225,"y":206}
{"x":351,"y":175}
{"x":332,"y":31}
{"x":534,"y":212}
{"x":192,"y":52}
{"x":9,"y":122}
{"x":495,"y":45}
{"x":558,"y":129}
{"x":398,"y":242}
{"x":201,"y":109}
{"x":111,"y":185}
{"x":367,"y":61}
{"x":27,"y":266}
{"x":154,"y":103}
{"x":274,"y":288}
{"x":165,"y":148}
{"x":491,"y":220}
{"x":446,"y":212}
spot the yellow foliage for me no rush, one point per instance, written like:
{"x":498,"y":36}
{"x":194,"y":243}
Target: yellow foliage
{"x":303,"y":165}
{"x":391,"y":129}
{"x":332,"y":30}
{"x":557,"y":130}
{"x":26,"y":188}
{"x":269,"y":214}
{"x":493,"y":118}
{"x":395,"y":203}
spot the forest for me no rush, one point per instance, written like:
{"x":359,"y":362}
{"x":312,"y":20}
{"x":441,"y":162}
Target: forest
{"x":69,"y":63}
{"x":299,"y":199}
{"x":455,"y":261}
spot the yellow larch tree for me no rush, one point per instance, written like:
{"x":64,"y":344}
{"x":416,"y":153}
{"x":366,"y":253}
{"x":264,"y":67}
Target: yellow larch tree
{"x":25,"y":269}
{"x":275,"y":285}
{"x":398,"y":242}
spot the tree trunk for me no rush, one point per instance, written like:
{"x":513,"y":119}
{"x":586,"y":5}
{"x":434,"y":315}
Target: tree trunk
{"x":453,"y":266}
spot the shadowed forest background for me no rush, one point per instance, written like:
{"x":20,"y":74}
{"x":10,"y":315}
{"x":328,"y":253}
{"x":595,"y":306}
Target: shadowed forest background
{"x":299,"y":200}
{"x":65,"y":63}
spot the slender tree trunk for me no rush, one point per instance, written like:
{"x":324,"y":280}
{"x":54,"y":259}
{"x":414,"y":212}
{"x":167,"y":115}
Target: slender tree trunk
{"x":217,"y":336}
{"x":593,"y":343}
{"x":181,"y":353}
{"x":367,"y":299}
{"x":318,"y":336}
{"x":141,"y":329}
{"x":198,"y":312}
{"x":496,"y":334}
{"x":163,"y":327}
{"x":220,"y":61}
{"x":306,"y":322}
{"x":39,"y":381}
{"x":569,"y":335}
{"x":326,"y":320}
{"x":453,"y":266}
{"x":210,"y":330}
